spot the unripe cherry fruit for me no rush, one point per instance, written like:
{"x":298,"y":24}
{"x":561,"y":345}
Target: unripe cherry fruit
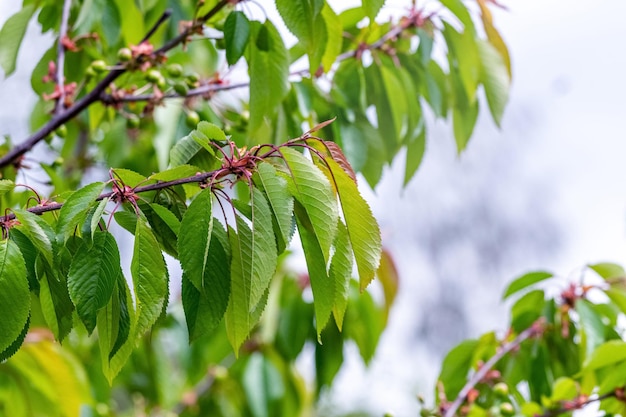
{"x":175,"y":70}
{"x":192,"y":119}
{"x":61,"y":131}
{"x":124,"y":54}
{"x":153,"y":76}
{"x":506,"y":409}
{"x":99,"y":66}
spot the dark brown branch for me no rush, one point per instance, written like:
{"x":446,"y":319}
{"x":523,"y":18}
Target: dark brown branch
{"x":94,"y":95}
{"x":409,"y":22}
{"x":198,"y":178}
{"x":577,"y":405}
{"x":533,"y":330}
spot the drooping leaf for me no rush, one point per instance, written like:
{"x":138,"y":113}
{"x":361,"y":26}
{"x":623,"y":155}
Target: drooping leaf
{"x":334,"y":33}
{"x":313,"y":191}
{"x":495,"y":78}
{"x":463,"y":121}
{"x":17,"y":343}
{"x":525,"y":281}
{"x":455,"y":367}
{"x":11,"y":36}
{"x":362,"y":227}
{"x":608,"y":353}
{"x":75,"y":209}
{"x":372,"y":7}
{"x":207,"y":132}
{"x":389,"y":278}
{"x":205,"y":263}
{"x":195,"y":238}
{"x":321,"y":285}
{"x":56,"y":305}
{"x":493,"y":35}
{"x":92,"y":277}
{"x":6,"y":186}
{"x":236,"y":35}
{"x":340,"y":273}
{"x":304,"y":19}
{"x":461,"y":11}
{"x":263,"y":252}
{"x":238,"y":318}
{"x":337,"y":154}
{"x":150,"y":277}
{"x":38,"y":231}
{"x":608,"y":270}
{"x":268,"y":67}
{"x":280,"y":202}
{"x":364,"y":322}
{"x":116,"y":330}
{"x":14,"y":294}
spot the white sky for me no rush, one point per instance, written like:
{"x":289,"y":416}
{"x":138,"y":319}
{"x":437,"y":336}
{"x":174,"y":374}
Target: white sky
{"x":565,"y":129}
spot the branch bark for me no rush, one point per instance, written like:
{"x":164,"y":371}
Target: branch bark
{"x":94,"y":95}
{"x":533,"y":330}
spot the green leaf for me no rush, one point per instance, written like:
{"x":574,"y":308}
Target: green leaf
{"x":236,"y":36}
{"x":461,"y":11}
{"x":608,"y":353}
{"x":389,"y":278}
{"x":38,"y":231}
{"x":92,"y":277}
{"x":591,"y":324}
{"x":321,"y":285}
{"x":17,"y":343}
{"x":386,"y":92}
{"x":239,"y":318}
{"x":132,"y":22}
{"x":415,"y":150}
{"x":564,"y":389}
{"x":207,"y":132}
{"x":362,"y":226}
{"x":280,"y":202}
{"x":463,"y":121}
{"x":313,"y":191}
{"x":608,"y":270}
{"x":75,"y":209}
{"x":303,"y":18}
{"x":56,"y":306}
{"x":14,"y":294}
{"x":372,"y":7}
{"x":525,"y":281}
{"x":364,"y":322}
{"x":262,"y":252}
{"x":263,"y":386}
{"x":116,"y":330}
{"x":6,"y":186}
{"x":150,"y":278}
{"x":11,"y":36}
{"x":340,"y":273}
{"x":495,"y":78}
{"x":268,"y":67}
{"x":455,"y":367}
{"x":334,"y":34}
{"x":205,"y":263}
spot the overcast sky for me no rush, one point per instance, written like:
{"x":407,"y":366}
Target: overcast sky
{"x":560,"y":153}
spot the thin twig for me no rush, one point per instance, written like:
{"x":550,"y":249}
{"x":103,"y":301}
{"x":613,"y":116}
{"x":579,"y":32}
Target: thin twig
{"x":94,"y":95}
{"x":211,"y":88}
{"x":576,"y":405}
{"x":198,"y":178}
{"x":533,"y":330}
{"x":60,"y":77}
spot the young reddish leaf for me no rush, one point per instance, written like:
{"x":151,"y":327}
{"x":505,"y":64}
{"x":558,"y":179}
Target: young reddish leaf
{"x":92,"y":277}
{"x":150,"y":278}
{"x":14,"y":294}
{"x":337,"y":154}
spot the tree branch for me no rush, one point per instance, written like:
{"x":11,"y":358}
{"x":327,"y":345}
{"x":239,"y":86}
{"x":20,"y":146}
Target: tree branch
{"x":536,"y":328}
{"x":60,"y":77}
{"x":94,"y":95}
{"x":576,"y":405}
{"x":44,"y":208}
{"x":411,"y":21}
